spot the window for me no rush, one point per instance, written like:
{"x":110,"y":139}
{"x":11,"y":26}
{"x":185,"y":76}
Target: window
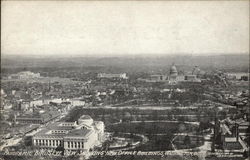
{"x":68,"y":144}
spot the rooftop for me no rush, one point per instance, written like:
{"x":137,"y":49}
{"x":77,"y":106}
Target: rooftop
{"x":230,"y":139}
{"x":83,"y":133}
{"x":85,"y":117}
{"x":233,"y":146}
{"x":56,"y":130}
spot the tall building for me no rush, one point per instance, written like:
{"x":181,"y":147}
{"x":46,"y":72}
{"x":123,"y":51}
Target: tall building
{"x":80,"y":136}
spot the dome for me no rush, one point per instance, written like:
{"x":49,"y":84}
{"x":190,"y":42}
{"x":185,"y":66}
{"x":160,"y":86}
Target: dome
{"x":85,"y":119}
{"x":173,"y":70}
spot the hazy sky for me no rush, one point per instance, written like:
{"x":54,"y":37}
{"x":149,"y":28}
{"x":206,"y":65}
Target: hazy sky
{"x":124,"y":27}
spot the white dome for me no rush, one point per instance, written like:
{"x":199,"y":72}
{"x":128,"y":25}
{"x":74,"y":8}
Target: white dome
{"x":85,"y":119}
{"x":173,"y":71}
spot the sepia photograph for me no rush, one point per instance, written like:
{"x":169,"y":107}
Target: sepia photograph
{"x":125,"y":80}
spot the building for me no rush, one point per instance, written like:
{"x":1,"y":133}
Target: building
{"x":109,"y":75}
{"x":232,"y":139}
{"x":79,"y":136}
{"x":24,"y":75}
{"x":38,"y":118}
{"x":238,"y":76}
{"x":173,"y":77}
{"x":158,"y":78}
{"x":244,"y":78}
{"x":173,"y":72}
{"x":191,"y":78}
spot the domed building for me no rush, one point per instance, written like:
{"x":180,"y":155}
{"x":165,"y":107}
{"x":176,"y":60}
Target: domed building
{"x":173,"y":72}
{"x":80,"y":136}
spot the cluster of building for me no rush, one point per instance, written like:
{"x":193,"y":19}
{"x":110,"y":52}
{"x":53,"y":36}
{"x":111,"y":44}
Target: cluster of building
{"x":232,"y":135}
{"x":238,"y":76}
{"x":174,"y":77}
{"x":31,"y":104}
{"x":80,"y":136}
{"x":43,"y":111}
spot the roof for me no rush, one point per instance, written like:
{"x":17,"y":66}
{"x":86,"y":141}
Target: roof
{"x":230,"y":139}
{"x":58,"y":126}
{"x":70,"y":132}
{"x":85,"y":117}
{"x":233,"y":146}
{"x":83,"y":133}
{"x":244,"y":123}
{"x":156,"y":75}
{"x":43,"y":133}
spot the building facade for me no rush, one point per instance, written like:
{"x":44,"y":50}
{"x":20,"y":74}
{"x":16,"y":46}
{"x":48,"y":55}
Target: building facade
{"x":80,"y":136}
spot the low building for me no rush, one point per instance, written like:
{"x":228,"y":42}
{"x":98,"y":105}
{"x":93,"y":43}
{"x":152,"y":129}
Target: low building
{"x":39,"y":118}
{"x":110,"y":75}
{"x":244,"y":78}
{"x":79,"y":136}
{"x":24,"y":75}
{"x":232,"y":144}
{"x":238,"y":76}
{"x":191,"y":78}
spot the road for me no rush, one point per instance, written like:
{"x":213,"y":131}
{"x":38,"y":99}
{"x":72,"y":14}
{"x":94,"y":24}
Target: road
{"x":186,"y":122}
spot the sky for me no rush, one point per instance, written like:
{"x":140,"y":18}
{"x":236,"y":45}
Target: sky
{"x":104,"y":28}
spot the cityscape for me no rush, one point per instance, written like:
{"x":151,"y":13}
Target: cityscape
{"x":181,"y":110}
{"x":125,"y":80}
